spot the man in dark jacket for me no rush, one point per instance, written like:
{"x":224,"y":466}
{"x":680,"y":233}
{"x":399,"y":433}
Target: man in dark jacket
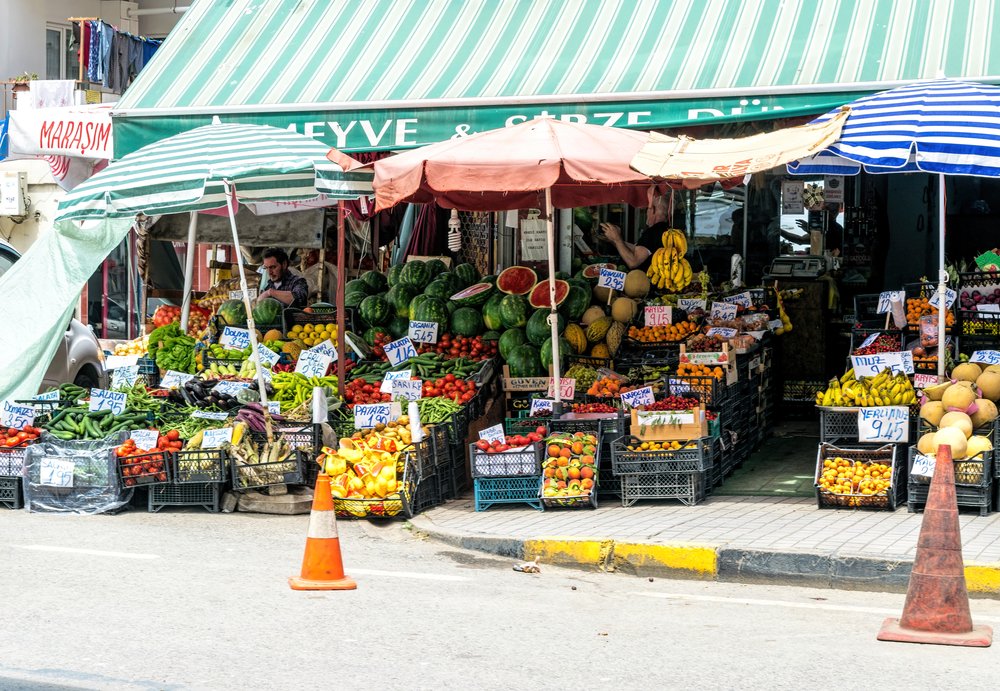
{"x":287,"y":288}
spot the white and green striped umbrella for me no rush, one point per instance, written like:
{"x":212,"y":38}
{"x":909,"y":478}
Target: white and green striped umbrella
{"x":186,"y":172}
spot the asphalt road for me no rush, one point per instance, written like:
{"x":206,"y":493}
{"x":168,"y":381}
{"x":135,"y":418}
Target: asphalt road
{"x":194,"y":600}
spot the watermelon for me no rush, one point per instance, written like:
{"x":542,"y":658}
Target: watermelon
{"x":538,"y":329}
{"x":357,"y":285}
{"x":268,"y":312}
{"x":399,"y":326}
{"x":539,"y":296}
{"x":562,"y":276}
{"x":466,"y":321}
{"x":438,"y":289}
{"x":545,"y":354}
{"x":491,"y":312}
{"x":393,"y":276}
{"x":374,"y":331}
{"x":524,"y":361}
{"x":491,"y":279}
{"x":415,"y":303}
{"x":576,"y":303}
{"x":467,"y":273}
{"x":375,"y":310}
{"x":451,"y":280}
{"x":233,"y":313}
{"x":436,"y":267}
{"x":491,"y":336}
{"x":416,"y":274}
{"x":582,"y":283}
{"x":473,"y":296}
{"x":452,"y":306}
{"x":510,"y":339}
{"x":433,"y":310}
{"x":592,"y":272}
{"x":514,"y":311}
{"x":400,"y":296}
{"x":517,"y":280}
{"x":376,"y":281}
{"x":353,"y":299}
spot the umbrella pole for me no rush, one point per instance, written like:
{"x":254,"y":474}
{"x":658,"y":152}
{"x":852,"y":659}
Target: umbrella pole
{"x":341,"y":281}
{"x":189,"y":271}
{"x":553,"y":316}
{"x":251,"y":327}
{"x":942,"y":277}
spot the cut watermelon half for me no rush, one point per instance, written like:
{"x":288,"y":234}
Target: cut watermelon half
{"x":540,"y":293}
{"x":474,"y":295}
{"x":593,"y":271}
{"x":517,"y":280}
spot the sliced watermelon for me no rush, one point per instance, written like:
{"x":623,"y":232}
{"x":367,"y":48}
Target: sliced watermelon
{"x":473,"y":296}
{"x":593,"y":271}
{"x":517,"y":280}
{"x":540,"y":293}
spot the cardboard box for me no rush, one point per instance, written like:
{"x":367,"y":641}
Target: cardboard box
{"x":523,"y":383}
{"x":669,"y":425}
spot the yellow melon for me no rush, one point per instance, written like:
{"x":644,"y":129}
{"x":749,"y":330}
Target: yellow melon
{"x":932,"y":411}
{"x":959,"y":397}
{"x":989,"y":383}
{"x":977,"y":445}
{"x":636,"y":284}
{"x":986,"y":412}
{"x":623,"y":310}
{"x":959,"y":420}
{"x":953,"y":437}
{"x":967,"y":371}
{"x":925,"y":444}
{"x":592,"y":314}
{"x":273,"y":335}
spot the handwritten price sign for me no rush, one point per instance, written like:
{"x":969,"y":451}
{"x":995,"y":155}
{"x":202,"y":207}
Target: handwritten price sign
{"x":115,"y":361}
{"x":367,"y":416}
{"x":986,"y":357}
{"x":312,"y":363}
{"x":723,"y":310}
{"x":871,"y":365}
{"x":494,"y":433}
{"x":55,"y":472}
{"x":868,"y":341}
{"x":16,"y":416}
{"x":400,"y":351}
{"x":922,"y":381}
{"x":209,"y":415}
{"x":390,"y":377}
{"x":229,"y":388}
{"x":238,"y":294}
{"x":214,"y":438}
{"x":541,"y":405}
{"x":886,"y":298}
{"x":267,"y":356}
{"x":567,"y":388}
{"x":923,"y":466}
{"x":326,"y":348}
{"x":124,"y":376}
{"x":949,"y":298}
{"x":722,"y":332}
{"x":408,"y":389}
{"x":234,"y":339}
{"x":689,"y":304}
{"x":101,"y":399}
{"x":423,"y":332}
{"x":611,"y":279}
{"x":174,"y":379}
{"x":145,"y":439}
{"x":742,"y":299}
{"x":884,"y":424}
{"x":638,"y":397}
{"x":658,"y":315}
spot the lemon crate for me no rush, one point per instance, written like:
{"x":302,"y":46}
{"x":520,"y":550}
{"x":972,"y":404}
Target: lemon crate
{"x":398,"y":504}
{"x":507,"y":490}
{"x":882,"y":454}
{"x":713,"y":392}
{"x":687,"y":488}
{"x":10,"y":492}
{"x":205,"y":495}
{"x":199,"y":466}
{"x":512,"y":463}
{"x":293,"y":316}
{"x":625,"y":462}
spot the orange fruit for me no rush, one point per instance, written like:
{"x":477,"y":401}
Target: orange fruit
{"x":554,"y":450}
{"x":574,"y":473}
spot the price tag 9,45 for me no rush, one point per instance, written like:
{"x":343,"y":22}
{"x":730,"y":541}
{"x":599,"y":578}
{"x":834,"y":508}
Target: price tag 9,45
{"x":884,"y":424}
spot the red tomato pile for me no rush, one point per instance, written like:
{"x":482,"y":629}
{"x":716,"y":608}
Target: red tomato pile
{"x":381,"y":339}
{"x":461,"y":346}
{"x":511,"y":441}
{"x":147,"y":465}
{"x":449,"y":386}
{"x":594,"y":408}
{"x":19,"y":437}
{"x":168,"y":314}
{"x":360,"y":391}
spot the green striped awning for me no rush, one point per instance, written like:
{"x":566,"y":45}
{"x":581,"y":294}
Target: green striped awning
{"x":381,"y":74}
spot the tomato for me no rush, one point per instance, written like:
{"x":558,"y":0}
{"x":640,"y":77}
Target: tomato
{"x":173,"y":435}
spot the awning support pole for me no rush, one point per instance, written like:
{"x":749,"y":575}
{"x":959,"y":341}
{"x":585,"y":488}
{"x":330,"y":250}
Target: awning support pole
{"x":554,"y":315}
{"x":189,"y":270}
{"x":341,"y":281}
{"x":942,"y":278}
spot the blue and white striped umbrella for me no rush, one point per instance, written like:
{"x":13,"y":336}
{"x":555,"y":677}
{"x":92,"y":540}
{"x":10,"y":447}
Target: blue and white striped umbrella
{"x":943,"y":126}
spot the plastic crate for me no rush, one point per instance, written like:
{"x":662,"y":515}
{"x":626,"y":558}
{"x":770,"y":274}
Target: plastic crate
{"x":12,"y":459}
{"x":970,"y":283}
{"x":988,"y":430}
{"x":836,"y":425}
{"x":146,"y":469}
{"x":866,"y":308}
{"x":585,"y":360}
{"x":524,"y":425}
{"x":447,"y":480}
{"x":687,"y":488}
{"x":207,"y":361}
{"x":967,"y":497}
{"x":427,"y":495}
{"x":969,"y":472}
{"x":967,"y":345}
{"x":507,"y":490}
{"x":884,"y":454}
{"x":307,"y":439}
{"x":199,"y":466}
{"x":11,"y":495}
{"x":861,"y":333}
{"x":584,"y":499}
{"x":292,"y":316}
{"x":511,"y":463}
{"x":258,"y":475}
{"x":399,"y":504}
{"x":713,"y":392}
{"x":625,"y":462}
{"x":204,"y":495}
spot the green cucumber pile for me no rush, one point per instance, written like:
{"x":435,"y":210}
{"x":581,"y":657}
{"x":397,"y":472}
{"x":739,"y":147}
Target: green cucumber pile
{"x":80,"y":424}
{"x":426,"y":366}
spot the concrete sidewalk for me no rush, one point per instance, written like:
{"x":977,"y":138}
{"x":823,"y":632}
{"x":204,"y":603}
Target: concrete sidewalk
{"x":742,"y":539}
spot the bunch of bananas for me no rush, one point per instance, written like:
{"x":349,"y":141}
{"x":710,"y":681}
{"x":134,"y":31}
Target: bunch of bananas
{"x":866,"y":392}
{"x":669,"y":269}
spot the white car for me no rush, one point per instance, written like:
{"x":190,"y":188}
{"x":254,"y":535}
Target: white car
{"x":79,"y":358}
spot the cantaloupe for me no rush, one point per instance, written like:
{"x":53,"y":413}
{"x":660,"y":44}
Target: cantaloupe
{"x":993,"y":368}
{"x":925,"y":444}
{"x":592,"y":314}
{"x":986,"y":412}
{"x":603,"y":295}
{"x":932,"y":411}
{"x":273,"y":335}
{"x":967,"y":371}
{"x":953,"y":437}
{"x":959,"y":397}
{"x":623,"y":310}
{"x":636,"y":284}
{"x":989,"y":383}
{"x":959,"y":420}
{"x":977,"y":445}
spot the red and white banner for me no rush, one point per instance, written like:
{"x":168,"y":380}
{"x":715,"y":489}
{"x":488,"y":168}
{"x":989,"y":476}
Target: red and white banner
{"x":79,"y":131}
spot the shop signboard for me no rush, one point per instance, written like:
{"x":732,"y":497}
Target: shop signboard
{"x":890,"y":424}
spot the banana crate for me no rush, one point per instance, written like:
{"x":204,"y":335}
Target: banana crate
{"x":858,"y":478}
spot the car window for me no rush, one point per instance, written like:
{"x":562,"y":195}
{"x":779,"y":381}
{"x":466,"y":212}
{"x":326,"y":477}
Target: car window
{"x":7,"y":259}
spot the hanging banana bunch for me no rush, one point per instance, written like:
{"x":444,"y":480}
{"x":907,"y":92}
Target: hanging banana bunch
{"x":668,"y":269}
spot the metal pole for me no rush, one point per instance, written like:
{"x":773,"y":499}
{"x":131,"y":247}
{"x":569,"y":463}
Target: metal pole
{"x":942,"y":276}
{"x":189,"y":270}
{"x":251,"y":327}
{"x":553,"y":316}
{"x":746,"y":199}
{"x":341,"y":281}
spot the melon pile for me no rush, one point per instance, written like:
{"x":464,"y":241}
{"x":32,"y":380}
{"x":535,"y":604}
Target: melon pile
{"x":960,"y":408}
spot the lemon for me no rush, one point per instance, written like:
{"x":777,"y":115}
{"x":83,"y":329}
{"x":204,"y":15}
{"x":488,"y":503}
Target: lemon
{"x":308,"y":328}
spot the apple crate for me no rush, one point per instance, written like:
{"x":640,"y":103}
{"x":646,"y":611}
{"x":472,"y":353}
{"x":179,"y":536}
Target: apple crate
{"x":693,"y":456}
{"x":887,"y":500}
{"x":511,"y":463}
{"x":399,"y":504}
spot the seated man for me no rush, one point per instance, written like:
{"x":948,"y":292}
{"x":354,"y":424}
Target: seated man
{"x":284,"y":286}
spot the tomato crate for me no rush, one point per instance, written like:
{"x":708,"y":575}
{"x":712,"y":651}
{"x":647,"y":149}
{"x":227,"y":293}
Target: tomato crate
{"x":693,"y":456}
{"x":686,"y":487}
{"x":398,"y":504}
{"x":12,"y":459}
{"x":257,"y":475}
{"x":507,"y":490}
{"x":199,"y":466}
{"x":512,"y":463}
{"x":713,"y":392}
{"x":887,"y":500}
{"x":204,"y":495}
{"x":11,"y":495}
{"x":145,"y":469}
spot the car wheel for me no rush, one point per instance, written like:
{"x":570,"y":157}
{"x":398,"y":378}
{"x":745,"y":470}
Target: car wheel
{"x":86,"y":379}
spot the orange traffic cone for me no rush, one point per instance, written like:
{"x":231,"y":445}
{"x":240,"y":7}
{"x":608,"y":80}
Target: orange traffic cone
{"x":937,"y":603}
{"x":322,"y":566}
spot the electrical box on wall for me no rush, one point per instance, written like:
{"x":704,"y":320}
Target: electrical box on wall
{"x":12,"y":187}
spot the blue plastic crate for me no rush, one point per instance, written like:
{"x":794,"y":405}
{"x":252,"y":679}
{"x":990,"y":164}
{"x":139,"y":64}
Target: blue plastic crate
{"x":508,"y":490}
